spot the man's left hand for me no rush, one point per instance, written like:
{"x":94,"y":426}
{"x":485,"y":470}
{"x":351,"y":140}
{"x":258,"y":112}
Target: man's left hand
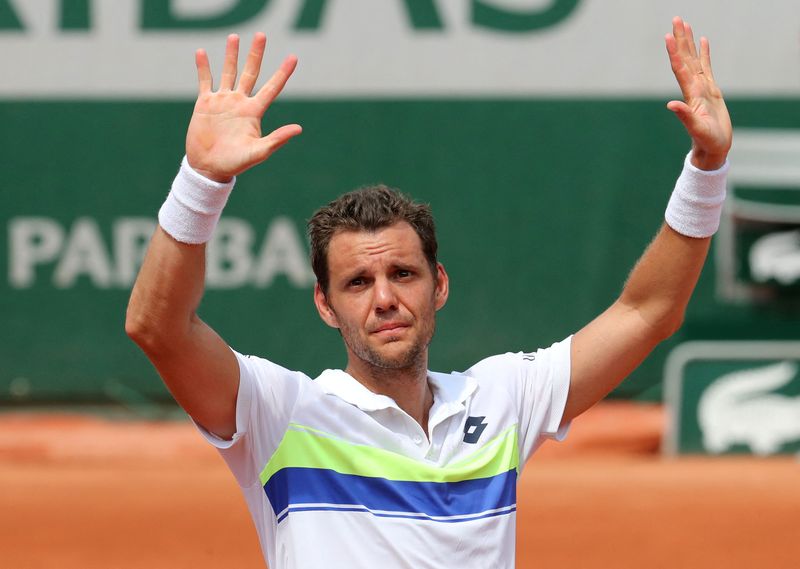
{"x":703,"y":111}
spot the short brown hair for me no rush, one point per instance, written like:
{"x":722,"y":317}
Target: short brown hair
{"x":368,"y":209}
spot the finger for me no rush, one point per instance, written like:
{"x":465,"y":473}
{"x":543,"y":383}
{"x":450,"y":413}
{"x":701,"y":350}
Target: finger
{"x":678,"y":31}
{"x":682,"y":73}
{"x":685,"y":47}
{"x":676,"y":46}
{"x":231,"y":63}
{"x":267,"y":145}
{"x":679,"y":108}
{"x":204,"y":78}
{"x":684,"y":114}
{"x":690,"y":39}
{"x":671,"y":43}
{"x":253,"y":64}
{"x":705,"y":57}
{"x":276,"y":83}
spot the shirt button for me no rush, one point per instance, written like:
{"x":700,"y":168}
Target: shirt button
{"x":417,"y":439}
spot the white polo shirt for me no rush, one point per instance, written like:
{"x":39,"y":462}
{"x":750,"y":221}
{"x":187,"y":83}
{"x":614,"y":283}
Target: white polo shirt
{"x":337,"y":476}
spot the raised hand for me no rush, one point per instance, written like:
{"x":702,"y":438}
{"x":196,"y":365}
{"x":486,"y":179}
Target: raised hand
{"x":224,"y":137}
{"x":703,"y":111}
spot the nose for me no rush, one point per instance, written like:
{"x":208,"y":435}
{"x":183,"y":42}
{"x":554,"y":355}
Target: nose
{"x":384,"y":296}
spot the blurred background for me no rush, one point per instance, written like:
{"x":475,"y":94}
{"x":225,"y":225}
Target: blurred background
{"x":536,"y":129}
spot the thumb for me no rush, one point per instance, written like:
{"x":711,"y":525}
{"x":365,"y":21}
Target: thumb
{"x":684,"y":114}
{"x":266,"y":146}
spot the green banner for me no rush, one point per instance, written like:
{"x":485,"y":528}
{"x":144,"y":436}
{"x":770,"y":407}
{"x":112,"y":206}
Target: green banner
{"x":734,"y":398}
{"x":542,"y":206}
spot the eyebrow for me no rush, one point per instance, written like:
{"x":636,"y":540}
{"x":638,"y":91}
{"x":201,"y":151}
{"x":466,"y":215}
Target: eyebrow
{"x":362,"y":270}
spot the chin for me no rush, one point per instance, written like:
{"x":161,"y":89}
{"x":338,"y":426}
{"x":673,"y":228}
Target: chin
{"x":405,"y":358}
{"x":393,"y":353}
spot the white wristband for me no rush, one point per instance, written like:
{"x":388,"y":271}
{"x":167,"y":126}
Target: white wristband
{"x":695,"y":206}
{"x":193,"y":206}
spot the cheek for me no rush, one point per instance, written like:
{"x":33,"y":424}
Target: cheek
{"x":422,"y":303}
{"x":351,"y":312}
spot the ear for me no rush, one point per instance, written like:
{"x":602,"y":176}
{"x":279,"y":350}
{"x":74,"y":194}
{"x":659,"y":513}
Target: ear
{"x":442,"y":286}
{"x":325,"y":311}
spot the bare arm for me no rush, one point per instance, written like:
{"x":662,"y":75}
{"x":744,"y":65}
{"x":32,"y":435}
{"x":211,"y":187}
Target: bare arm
{"x":654,"y":299}
{"x":224,"y":139}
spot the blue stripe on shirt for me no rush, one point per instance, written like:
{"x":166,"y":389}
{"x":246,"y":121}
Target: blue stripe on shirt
{"x":293,"y":488}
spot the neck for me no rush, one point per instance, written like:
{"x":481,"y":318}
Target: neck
{"x":408,"y":387}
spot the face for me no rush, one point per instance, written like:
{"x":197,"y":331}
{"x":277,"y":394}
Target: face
{"x":382,"y":296}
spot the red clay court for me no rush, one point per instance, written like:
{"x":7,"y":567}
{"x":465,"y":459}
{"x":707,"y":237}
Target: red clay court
{"x":80,"y":492}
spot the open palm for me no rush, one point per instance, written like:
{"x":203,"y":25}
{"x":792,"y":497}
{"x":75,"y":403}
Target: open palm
{"x":224,"y":137}
{"x":703,"y":111}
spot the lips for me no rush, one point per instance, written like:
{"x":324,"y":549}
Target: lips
{"x":390,"y":327}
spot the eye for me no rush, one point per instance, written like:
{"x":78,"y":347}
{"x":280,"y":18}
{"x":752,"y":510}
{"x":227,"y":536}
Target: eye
{"x":356,"y":282}
{"x":403,"y":274}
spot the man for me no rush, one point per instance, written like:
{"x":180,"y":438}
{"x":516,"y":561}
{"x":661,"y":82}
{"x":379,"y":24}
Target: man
{"x":386,"y":462}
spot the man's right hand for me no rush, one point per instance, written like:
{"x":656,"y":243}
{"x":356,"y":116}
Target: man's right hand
{"x":224,"y":137}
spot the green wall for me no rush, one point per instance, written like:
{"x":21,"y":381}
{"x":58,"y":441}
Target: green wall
{"x":542,"y":207}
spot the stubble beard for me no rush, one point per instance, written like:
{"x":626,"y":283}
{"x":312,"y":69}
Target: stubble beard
{"x":415,"y":356}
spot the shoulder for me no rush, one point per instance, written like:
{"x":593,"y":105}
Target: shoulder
{"x":517,"y":372}
{"x":262,"y":379}
{"x":510,"y":363}
{"x":500,"y":367}
{"x":264,"y":369}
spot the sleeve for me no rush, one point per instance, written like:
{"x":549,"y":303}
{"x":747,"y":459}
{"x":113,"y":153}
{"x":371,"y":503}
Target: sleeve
{"x":544,"y":389}
{"x":538,"y":385}
{"x":267,"y":395}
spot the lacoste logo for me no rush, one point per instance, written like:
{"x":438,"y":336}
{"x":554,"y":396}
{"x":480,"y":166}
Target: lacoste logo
{"x":473,"y":429}
{"x":744,"y":407}
{"x":776,"y":256}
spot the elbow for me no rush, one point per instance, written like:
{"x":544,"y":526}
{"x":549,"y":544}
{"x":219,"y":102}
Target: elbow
{"x":157,"y":334}
{"x":661,"y":317}
{"x":657,"y":321}
{"x":665,"y":326}
{"x":140,"y":330}
{"x":145,"y":331}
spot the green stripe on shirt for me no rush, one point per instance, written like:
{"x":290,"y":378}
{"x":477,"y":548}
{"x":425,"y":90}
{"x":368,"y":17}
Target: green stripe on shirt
{"x":306,"y":447}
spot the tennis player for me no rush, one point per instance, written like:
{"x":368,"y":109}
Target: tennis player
{"x":386,"y":463}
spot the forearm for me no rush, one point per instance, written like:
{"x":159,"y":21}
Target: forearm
{"x":661,"y":283}
{"x":167,"y":292}
{"x":650,"y":309}
{"x":170,"y":284}
{"x":654,"y":299}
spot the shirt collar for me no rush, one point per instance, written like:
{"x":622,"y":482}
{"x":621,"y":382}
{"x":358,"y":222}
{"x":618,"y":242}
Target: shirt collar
{"x":448,"y":389}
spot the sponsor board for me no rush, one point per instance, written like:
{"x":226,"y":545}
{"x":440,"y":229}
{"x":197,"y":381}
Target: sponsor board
{"x":79,"y":250}
{"x":393,"y":48}
{"x":534,"y":246}
{"x":733,"y":398}
{"x":758,"y":245}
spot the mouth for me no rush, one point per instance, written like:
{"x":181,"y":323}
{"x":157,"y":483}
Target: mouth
{"x":390,"y":328}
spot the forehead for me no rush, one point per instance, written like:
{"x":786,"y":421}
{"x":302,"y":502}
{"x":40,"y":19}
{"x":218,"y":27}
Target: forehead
{"x":357,"y":249}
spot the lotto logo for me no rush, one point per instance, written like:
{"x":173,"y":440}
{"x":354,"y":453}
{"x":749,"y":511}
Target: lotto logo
{"x":473,"y":429}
